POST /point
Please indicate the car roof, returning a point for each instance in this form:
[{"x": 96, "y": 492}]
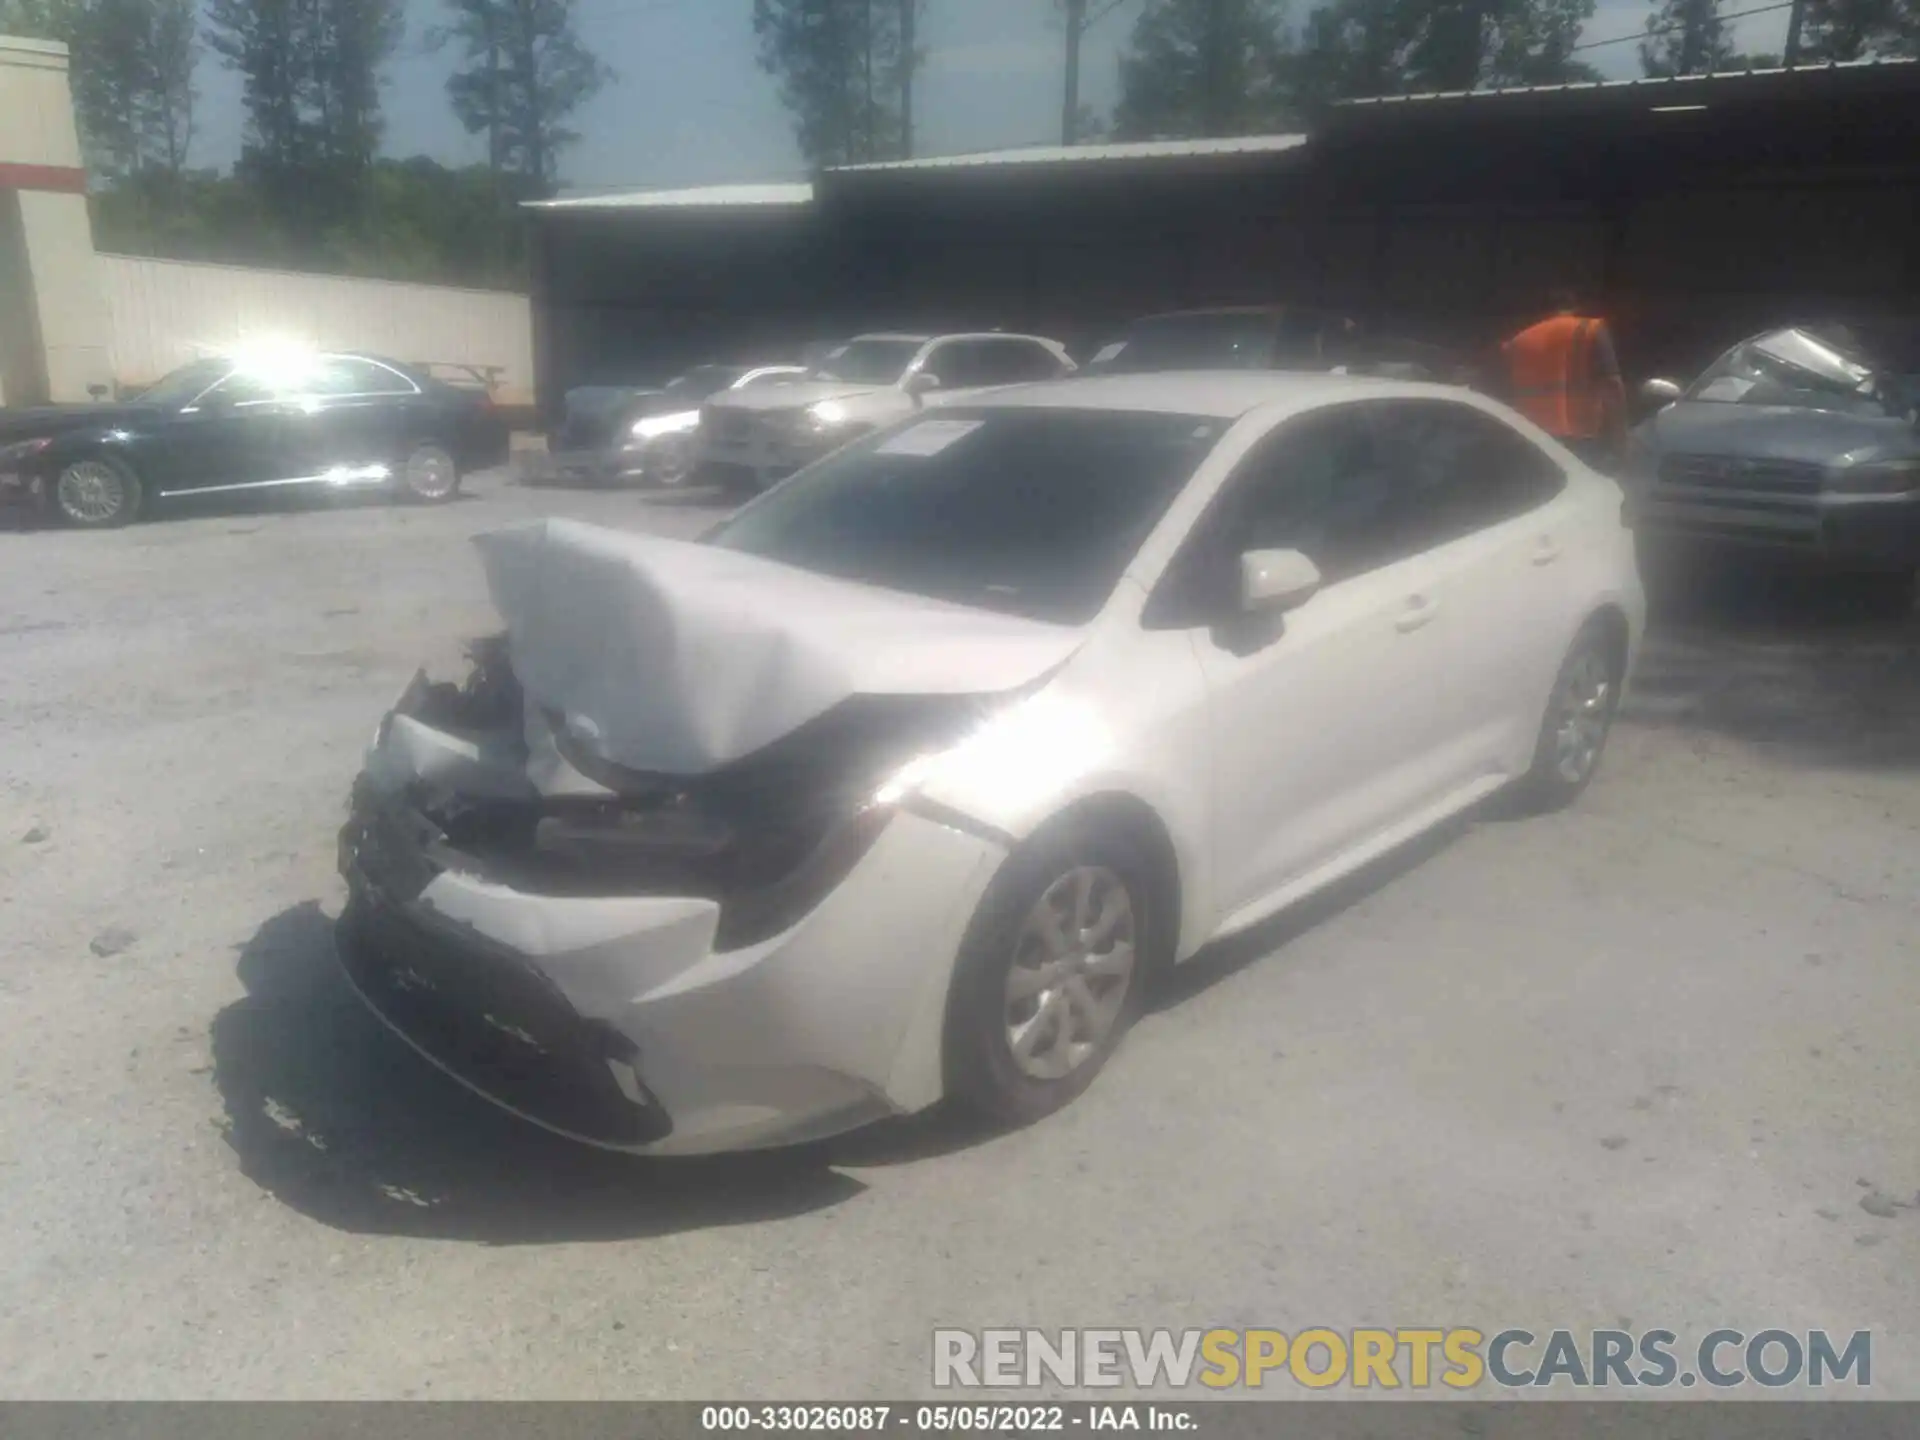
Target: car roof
[{"x": 1221, "y": 394}]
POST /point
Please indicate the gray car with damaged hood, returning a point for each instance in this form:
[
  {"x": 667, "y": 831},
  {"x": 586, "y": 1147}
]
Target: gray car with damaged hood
[{"x": 1798, "y": 444}]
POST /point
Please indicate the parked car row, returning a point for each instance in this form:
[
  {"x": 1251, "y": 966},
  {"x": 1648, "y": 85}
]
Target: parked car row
[{"x": 756, "y": 426}]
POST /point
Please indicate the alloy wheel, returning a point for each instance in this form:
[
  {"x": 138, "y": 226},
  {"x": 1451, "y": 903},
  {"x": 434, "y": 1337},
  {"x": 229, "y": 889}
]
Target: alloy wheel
[
  {"x": 431, "y": 473},
  {"x": 91, "y": 492},
  {"x": 1582, "y": 711},
  {"x": 1073, "y": 966}
]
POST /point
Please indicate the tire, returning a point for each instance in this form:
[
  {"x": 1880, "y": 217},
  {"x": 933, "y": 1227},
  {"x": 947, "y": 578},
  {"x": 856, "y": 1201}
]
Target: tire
[
  {"x": 96, "y": 492},
  {"x": 672, "y": 462},
  {"x": 1005, "y": 1062},
  {"x": 429, "y": 475},
  {"x": 1579, "y": 717}
]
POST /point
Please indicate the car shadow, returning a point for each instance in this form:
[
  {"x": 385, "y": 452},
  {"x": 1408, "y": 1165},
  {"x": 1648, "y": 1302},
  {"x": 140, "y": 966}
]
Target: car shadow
[
  {"x": 293, "y": 500},
  {"x": 339, "y": 1120},
  {"x": 1814, "y": 668}
]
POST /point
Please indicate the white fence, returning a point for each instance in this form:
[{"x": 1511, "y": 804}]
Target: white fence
[{"x": 168, "y": 311}]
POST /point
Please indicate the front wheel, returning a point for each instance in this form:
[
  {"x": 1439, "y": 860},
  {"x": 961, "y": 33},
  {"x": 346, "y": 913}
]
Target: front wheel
[
  {"x": 1573, "y": 733},
  {"x": 672, "y": 461},
  {"x": 429, "y": 475},
  {"x": 1050, "y": 978},
  {"x": 97, "y": 493}
]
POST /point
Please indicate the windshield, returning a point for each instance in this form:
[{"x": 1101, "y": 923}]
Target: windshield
[
  {"x": 868, "y": 362},
  {"x": 1804, "y": 369},
  {"x": 187, "y": 384},
  {"x": 1191, "y": 342},
  {"x": 1033, "y": 512}
]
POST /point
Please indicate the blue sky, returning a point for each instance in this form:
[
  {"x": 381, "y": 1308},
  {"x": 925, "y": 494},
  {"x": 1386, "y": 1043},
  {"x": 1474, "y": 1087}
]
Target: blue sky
[{"x": 691, "y": 107}]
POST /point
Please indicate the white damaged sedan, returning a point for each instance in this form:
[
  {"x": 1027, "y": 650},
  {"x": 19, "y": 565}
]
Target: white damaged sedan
[{"x": 905, "y": 781}]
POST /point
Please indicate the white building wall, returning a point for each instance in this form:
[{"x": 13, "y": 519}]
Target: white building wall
[
  {"x": 53, "y": 326},
  {"x": 165, "y": 312}
]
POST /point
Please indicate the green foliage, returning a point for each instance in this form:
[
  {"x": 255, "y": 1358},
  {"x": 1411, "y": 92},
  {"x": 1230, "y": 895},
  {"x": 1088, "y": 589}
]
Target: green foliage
[
  {"x": 1390, "y": 47},
  {"x": 1687, "y": 37},
  {"x": 522, "y": 73},
  {"x": 1205, "y": 67},
  {"x": 844, "y": 71},
  {"x": 312, "y": 93},
  {"x": 36, "y": 19},
  {"x": 1210, "y": 67},
  {"x": 420, "y": 220},
  {"x": 132, "y": 71},
  {"x": 1860, "y": 30}
]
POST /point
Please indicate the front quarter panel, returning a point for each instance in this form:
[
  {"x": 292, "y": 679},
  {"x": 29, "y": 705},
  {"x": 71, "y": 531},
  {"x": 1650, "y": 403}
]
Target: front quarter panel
[{"x": 1127, "y": 716}]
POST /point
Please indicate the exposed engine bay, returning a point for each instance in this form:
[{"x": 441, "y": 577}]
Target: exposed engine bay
[{"x": 764, "y": 836}]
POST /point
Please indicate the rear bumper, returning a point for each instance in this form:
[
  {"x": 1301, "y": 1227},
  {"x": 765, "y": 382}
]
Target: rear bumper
[
  {"x": 615, "y": 1021},
  {"x": 1826, "y": 531}
]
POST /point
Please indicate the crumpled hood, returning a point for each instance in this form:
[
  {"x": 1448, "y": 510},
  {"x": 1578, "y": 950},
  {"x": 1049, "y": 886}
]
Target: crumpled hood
[
  {"x": 1776, "y": 432},
  {"x": 671, "y": 657},
  {"x": 797, "y": 396}
]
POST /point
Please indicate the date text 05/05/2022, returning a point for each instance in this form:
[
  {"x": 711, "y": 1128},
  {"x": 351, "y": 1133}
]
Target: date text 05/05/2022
[{"x": 946, "y": 1419}]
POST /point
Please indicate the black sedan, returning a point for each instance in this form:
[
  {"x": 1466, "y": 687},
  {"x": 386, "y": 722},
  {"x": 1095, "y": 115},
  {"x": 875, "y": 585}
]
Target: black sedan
[{"x": 304, "y": 421}]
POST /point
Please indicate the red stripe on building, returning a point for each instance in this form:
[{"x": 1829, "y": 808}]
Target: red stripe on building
[{"x": 62, "y": 179}]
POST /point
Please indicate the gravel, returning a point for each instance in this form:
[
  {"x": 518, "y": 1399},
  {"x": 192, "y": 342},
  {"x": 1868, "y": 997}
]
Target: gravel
[{"x": 220, "y": 1178}]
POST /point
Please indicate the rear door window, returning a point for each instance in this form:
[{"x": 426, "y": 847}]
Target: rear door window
[{"x": 1458, "y": 469}]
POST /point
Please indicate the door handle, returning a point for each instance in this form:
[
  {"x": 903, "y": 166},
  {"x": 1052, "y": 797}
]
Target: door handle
[
  {"x": 1546, "y": 550},
  {"x": 1417, "y": 612}
]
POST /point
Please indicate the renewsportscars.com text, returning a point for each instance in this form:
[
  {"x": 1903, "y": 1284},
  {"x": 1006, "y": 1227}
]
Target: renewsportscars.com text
[{"x": 1460, "y": 1358}]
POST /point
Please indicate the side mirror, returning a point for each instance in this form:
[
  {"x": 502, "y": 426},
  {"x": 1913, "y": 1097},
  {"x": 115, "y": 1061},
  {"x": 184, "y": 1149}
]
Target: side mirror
[
  {"x": 1658, "y": 394},
  {"x": 1273, "y": 581},
  {"x": 923, "y": 382}
]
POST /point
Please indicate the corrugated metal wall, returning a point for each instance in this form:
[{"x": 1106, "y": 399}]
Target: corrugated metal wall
[{"x": 168, "y": 311}]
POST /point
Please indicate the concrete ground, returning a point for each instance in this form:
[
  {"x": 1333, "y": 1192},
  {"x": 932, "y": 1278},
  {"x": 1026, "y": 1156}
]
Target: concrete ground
[{"x": 1651, "y": 1062}]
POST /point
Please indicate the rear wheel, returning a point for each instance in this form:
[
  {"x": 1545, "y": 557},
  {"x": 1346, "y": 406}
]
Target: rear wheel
[
  {"x": 97, "y": 493},
  {"x": 1573, "y": 733},
  {"x": 1050, "y": 978},
  {"x": 429, "y": 474}
]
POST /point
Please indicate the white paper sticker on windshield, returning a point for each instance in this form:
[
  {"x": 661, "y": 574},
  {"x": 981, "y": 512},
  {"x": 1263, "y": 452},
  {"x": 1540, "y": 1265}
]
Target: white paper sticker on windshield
[
  {"x": 1726, "y": 387},
  {"x": 1107, "y": 352},
  {"x": 927, "y": 438}
]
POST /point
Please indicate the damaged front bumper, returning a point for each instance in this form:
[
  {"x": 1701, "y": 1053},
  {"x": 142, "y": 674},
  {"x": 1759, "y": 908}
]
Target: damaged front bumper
[{"x": 631, "y": 1017}]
